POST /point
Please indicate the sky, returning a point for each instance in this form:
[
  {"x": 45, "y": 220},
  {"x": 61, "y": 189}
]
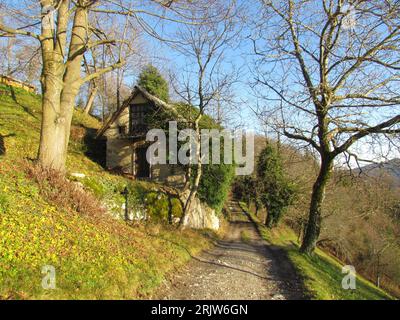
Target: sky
[
  {"x": 167, "y": 60},
  {"x": 241, "y": 56}
]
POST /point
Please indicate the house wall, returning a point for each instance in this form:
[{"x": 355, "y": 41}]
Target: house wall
[
  {"x": 172, "y": 175},
  {"x": 120, "y": 152},
  {"x": 119, "y": 155}
]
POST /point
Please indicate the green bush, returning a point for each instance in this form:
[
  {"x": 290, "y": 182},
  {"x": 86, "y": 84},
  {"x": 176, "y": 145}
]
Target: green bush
[
  {"x": 158, "y": 206},
  {"x": 95, "y": 186},
  {"x": 277, "y": 192},
  {"x": 215, "y": 185},
  {"x": 155, "y": 203}
]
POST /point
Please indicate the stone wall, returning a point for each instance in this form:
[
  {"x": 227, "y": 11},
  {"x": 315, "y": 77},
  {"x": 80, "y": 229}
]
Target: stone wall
[
  {"x": 119, "y": 155},
  {"x": 200, "y": 215},
  {"x": 172, "y": 175}
]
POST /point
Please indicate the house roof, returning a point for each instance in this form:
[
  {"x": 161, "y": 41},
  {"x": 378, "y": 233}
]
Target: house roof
[{"x": 138, "y": 90}]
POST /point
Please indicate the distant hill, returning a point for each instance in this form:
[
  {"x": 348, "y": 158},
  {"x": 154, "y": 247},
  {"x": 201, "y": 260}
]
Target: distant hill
[{"x": 388, "y": 170}]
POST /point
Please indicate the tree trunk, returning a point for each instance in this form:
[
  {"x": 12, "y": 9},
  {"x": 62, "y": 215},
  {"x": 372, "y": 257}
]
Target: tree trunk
[
  {"x": 196, "y": 182},
  {"x": 51, "y": 152},
  {"x": 60, "y": 83},
  {"x": 89, "y": 103},
  {"x": 313, "y": 228}
]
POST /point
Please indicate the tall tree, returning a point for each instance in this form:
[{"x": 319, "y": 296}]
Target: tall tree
[
  {"x": 203, "y": 80},
  {"x": 66, "y": 34},
  {"x": 333, "y": 67},
  {"x": 151, "y": 80},
  {"x": 111, "y": 89}
]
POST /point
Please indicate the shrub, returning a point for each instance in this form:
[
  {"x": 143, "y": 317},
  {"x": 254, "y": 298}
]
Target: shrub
[
  {"x": 95, "y": 186},
  {"x": 62, "y": 192},
  {"x": 277, "y": 192},
  {"x": 215, "y": 184},
  {"x": 157, "y": 204},
  {"x": 151, "y": 80}
]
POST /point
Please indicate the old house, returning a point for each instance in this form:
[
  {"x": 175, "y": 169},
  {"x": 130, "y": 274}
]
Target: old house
[{"x": 126, "y": 145}]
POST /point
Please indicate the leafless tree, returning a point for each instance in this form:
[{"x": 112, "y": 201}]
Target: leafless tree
[
  {"x": 329, "y": 73},
  {"x": 65, "y": 33},
  {"x": 203, "y": 82},
  {"x": 130, "y": 49},
  {"x": 20, "y": 59}
]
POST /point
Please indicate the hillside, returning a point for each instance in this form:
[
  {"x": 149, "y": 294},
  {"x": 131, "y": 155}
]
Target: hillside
[
  {"x": 389, "y": 170},
  {"x": 45, "y": 220},
  {"x": 322, "y": 272},
  {"x": 48, "y": 221}
]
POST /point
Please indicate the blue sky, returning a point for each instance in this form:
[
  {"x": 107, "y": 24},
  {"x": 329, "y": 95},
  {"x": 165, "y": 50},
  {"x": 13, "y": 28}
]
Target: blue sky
[{"x": 167, "y": 59}]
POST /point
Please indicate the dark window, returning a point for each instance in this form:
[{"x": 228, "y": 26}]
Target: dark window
[
  {"x": 122, "y": 129},
  {"x": 137, "y": 116}
]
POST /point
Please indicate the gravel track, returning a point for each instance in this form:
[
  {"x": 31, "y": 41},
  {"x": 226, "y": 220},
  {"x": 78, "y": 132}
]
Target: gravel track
[{"x": 240, "y": 266}]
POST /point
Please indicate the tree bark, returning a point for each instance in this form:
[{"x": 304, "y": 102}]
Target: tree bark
[
  {"x": 51, "y": 146},
  {"x": 89, "y": 103},
  {"x": 313, "y": 228},
  {"x": 196, "y": 182},
  {"x": 60, "y": 83},
  {"x": 52, "y": 127}
]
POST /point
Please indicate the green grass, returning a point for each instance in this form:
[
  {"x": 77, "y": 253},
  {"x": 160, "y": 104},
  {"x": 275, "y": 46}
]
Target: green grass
[
  {"x": 95, "y": 257},
  {"x": 245, "y": 236},
  {"x": 321, "y": 272}
]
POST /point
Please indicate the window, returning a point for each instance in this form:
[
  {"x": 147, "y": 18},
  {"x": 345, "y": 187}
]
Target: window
[
  {"x": 122, "y": 130},
  {"x": 137, "y": 116}
]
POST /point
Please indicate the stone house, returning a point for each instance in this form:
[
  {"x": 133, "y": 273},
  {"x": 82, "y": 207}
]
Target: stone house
[{"x": 126, "y": 145}]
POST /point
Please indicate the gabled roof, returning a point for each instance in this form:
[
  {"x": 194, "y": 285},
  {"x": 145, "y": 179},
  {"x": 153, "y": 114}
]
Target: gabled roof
[{"x": 138, "y": 90}]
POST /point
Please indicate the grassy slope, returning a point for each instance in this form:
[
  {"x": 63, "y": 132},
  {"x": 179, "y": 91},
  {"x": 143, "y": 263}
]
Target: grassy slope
[
  {"x": 321, "y": 272},
  {"x": 94, "y": 257}
]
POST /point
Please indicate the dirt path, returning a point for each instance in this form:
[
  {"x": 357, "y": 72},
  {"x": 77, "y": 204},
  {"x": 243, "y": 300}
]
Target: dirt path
[{"x": 241, "y": 266}]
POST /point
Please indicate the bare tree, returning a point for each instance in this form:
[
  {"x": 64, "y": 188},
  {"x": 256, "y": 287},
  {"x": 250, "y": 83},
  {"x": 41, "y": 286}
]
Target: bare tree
[
  {"x": 21, "y": 59},
  {"x": 329, "y": 72},
  {"x": 65, "y": 33},
  {"x": 204, "y": 83},
  {"x": 130, "y": 49}
]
